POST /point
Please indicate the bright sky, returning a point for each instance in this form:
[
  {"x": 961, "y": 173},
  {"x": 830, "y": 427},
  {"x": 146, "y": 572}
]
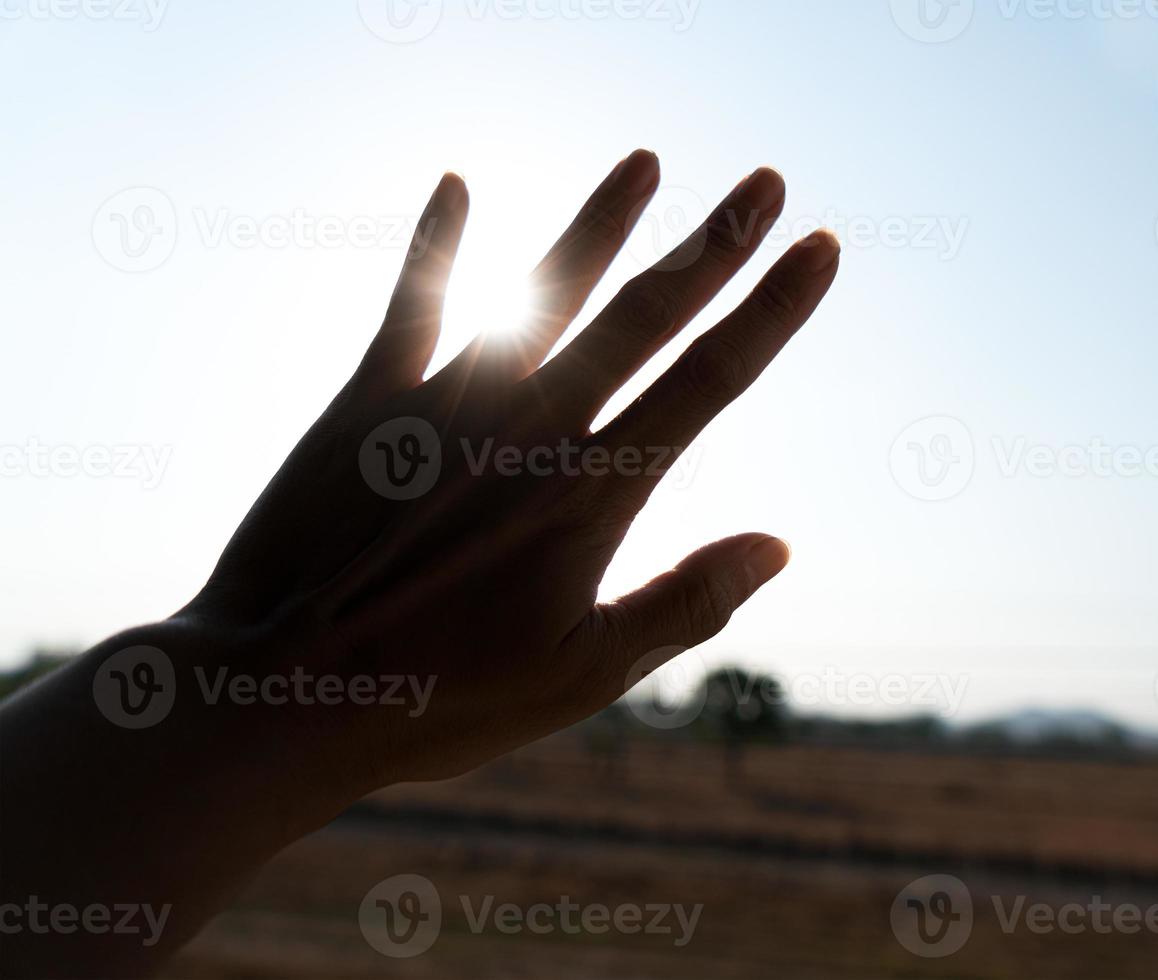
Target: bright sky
[{"x": 995, "y": 191}]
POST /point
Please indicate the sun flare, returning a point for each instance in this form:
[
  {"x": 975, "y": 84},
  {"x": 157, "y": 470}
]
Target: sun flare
[{"x": 486, "y": 299}]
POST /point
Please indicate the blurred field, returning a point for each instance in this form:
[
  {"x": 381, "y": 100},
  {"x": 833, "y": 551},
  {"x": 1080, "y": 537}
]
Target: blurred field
[{"x": 795, "y": 853}]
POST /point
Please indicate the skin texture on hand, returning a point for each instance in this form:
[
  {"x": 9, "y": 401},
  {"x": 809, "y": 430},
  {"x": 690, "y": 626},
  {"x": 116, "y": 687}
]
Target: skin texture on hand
[{"x": 479, "y": 587}]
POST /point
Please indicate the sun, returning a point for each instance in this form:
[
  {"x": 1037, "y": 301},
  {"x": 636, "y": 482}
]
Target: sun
[{"x": 484, "y": 297}]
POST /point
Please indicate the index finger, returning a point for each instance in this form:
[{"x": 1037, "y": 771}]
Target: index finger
[{"x": 726, "y": 360}]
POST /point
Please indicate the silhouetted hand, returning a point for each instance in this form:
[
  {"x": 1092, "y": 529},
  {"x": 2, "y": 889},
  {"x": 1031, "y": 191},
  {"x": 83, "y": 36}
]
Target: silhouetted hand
[
  {"x": 455, "y": 530},
  {"x": 433, "y": 550}
]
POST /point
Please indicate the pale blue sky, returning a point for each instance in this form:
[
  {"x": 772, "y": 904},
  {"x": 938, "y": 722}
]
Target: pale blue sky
[{"x": 998, "y": 201}]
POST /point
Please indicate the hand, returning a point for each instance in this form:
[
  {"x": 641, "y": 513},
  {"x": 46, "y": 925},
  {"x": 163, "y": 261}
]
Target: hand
[
  {"x": 482, "y": 586},
  {"x": 451, "y": 533}
]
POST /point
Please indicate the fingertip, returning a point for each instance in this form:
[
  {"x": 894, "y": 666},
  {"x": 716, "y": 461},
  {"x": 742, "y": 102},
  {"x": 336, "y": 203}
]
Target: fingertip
[
  {"x": 820, "y": 250},
  {"x": 766, "y": 559},
  {"x": 764, "y": 188},
  {"x": 638, "y": 172},
  {"x": 452, "y": 190}
]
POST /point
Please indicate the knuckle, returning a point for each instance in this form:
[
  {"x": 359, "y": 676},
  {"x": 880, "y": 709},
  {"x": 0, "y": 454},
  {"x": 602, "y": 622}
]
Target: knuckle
[
  {"x": 602, "y": 223},
  {"x": 620, "y": 500},
  {"x": 593, "y": 503},
  {"x": 775, "y": 302},
  {"x": 646, "y": 304},
  {"x": 709, "y": 607},
  {"x": 717, "y": 370},
  {"x": 728, "y": 230},
  {"x": 560, "y": 303},
  {"x": 595, "y": 683},
  {"x": 590, "y": 674}
]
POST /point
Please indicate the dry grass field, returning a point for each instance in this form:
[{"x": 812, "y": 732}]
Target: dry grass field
[{"x": 796, "y": 856}]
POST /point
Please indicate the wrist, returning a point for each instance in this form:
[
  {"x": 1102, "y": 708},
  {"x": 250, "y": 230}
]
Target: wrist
[
  {"x": 183, "y": 800},
  {"x": 186, "y": 695}
]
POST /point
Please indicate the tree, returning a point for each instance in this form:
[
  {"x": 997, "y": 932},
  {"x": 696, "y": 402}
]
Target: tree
[{"x": 741, "y": 708}]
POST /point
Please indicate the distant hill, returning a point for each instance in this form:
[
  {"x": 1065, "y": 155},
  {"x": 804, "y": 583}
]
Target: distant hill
[
  {"x": 1038, "y": 727},
  {"x": 738, "y": 720}
]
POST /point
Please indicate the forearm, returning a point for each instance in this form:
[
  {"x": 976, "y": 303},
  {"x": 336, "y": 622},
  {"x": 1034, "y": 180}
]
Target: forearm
[
  {"x": 472, "y": 590},
  {"x": 171, "y": 818}
]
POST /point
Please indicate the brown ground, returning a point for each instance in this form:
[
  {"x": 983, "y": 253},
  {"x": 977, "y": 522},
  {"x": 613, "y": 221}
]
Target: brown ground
[{"x": 796, "y": 858}]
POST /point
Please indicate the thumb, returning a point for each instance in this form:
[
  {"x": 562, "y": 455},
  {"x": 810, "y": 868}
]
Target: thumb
[{"x": 694, "y": 601}]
